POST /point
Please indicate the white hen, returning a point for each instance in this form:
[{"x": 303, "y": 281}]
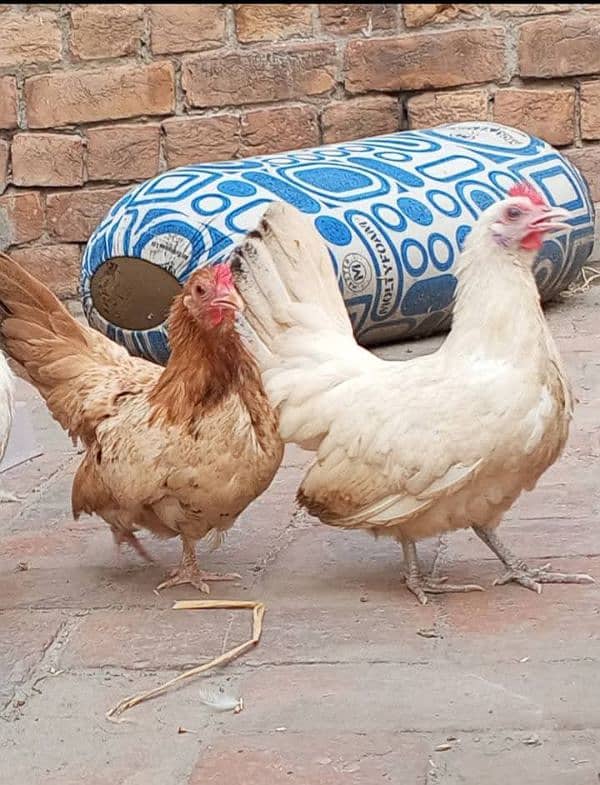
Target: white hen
[
  {"x": 7, "y": 409},
  {"x": 442, "y": 442}
]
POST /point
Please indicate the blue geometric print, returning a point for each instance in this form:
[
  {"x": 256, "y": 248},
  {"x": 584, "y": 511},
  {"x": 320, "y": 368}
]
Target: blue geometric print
[{"x": 393, "y": 210}]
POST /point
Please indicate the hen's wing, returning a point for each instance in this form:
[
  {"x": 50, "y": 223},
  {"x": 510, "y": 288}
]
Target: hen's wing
[
  {"x": 396, "y": 441},
  {"x": 79, "y": 372}
]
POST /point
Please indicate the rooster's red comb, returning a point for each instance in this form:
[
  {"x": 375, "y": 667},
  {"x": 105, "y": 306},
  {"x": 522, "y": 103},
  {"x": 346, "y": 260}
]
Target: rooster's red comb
[
  {"x": 525, "y": 189},
  {"x": 223, "y": 276}
]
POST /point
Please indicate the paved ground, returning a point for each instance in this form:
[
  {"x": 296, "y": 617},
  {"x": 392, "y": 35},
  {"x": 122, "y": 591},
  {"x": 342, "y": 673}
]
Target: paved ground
[{"x": 352, "y": 682}]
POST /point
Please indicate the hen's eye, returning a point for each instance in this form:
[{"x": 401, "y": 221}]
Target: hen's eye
[
  {"x": 199, "y": 290},
  {"x": 513, "y": 212}
]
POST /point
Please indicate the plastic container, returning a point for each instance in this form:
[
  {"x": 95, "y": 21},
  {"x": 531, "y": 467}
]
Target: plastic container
[{"x": 393, "y": 210}]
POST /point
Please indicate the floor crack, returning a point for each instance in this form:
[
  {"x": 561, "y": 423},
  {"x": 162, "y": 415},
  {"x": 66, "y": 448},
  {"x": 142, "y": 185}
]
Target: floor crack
[{"x": 47, "y": 667}]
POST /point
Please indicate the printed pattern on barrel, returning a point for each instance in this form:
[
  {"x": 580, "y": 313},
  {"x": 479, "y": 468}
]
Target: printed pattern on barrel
[{"x": 393, "y": 210}]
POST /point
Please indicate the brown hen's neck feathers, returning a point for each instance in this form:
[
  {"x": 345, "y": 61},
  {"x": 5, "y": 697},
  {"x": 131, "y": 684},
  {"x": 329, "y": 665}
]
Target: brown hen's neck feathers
[{"x": 206, "y": 365}]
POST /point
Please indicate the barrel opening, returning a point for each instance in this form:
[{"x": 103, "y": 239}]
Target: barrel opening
[{"x": 132, "y": 293}]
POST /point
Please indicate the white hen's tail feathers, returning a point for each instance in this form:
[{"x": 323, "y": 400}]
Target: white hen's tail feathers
[
  {"x": 286, "y": 278},
  {"x": 302, "y": 335}
]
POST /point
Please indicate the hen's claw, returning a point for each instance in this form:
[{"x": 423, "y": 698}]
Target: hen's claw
[
  {"x": 533, "y": 577},
  {"x": 189, "y": 572},
  {"x": 517, "y": 570},
  {"x": 420, "y": 586},
  {"x": 196, "y": 577}
]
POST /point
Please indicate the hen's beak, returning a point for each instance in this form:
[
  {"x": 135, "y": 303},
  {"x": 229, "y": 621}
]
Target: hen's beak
[
  {"x": 550, "y": 219},
  {"x": 230, "y": 300}
]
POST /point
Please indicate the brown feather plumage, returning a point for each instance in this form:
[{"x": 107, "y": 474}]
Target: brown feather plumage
[{"x": 180, "y": 450}]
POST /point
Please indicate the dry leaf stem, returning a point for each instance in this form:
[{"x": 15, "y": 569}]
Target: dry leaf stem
[{"x": 258, "y": 611}]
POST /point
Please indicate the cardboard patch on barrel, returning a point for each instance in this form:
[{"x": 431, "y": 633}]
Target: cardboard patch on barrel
[{"x": 133, "y": 294}]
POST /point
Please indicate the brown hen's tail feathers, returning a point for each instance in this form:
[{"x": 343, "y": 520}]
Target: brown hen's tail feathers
[{"x": 72, "y": 366}]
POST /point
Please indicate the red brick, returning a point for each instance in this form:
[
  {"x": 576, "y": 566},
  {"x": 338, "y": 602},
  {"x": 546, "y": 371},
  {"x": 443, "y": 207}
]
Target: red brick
[
  {"x": 425, "y": 60},
  {"x": 186, "y": 27},
  {"x": 268, "y": 131},
  {"x": 360, "y": 117},
  {"x": 64, "y": 558},
  {"x": 3, "y": 164},
  {"x": 57, "y": 266},
  {"x": 554, "y": 757},
  {"x": 8, "y": 102},
  {"x": 163, "y": 639},
  {"x": 276, "y": 22},
  {"x": 47, "y": 159},
  {"x": 544, "y": 617},
  {"x": 587, "y": 160},
  {"x": 24, "y": 214},
  {"x": 192, "y": 140},
  {"x": 419, "y": 14},
  {"x": 40, "y": 547},
  {"x": 324, "y": 633},
  {"x": 123, "y": 152},
  {"x": 29, "y": 38},
  {"x": 67, "y": 97},
  {"x": 358, "y": 17},
  {"x": 313, "y": 758},
  {"x": 590, "y": 109},
  {"x": 431, "y": 109},
  {"x": 73, "y": 215},
  {"x": 105, "y": 30},
  {"x": 343, "y": 568},
  {"x": 560, "y": 46},
  {"x": 155, "y": 638},
  {"x": 525, "y": 9},
  {"x": 558, "y": 624},
  {"x": 436, "y": 698},
  {"x": 547, "y": 113},
  {"x": 554, "y": 497},
  {"x": 24, "y": 637},
  {"x": 290, "y": 73}
]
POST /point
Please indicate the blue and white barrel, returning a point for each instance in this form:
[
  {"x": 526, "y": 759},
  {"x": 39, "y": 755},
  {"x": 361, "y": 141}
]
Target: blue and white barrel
[{"x": 393, "y": 210}]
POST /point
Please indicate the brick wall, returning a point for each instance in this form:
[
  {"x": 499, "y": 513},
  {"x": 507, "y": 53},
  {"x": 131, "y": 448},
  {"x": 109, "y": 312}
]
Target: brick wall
[{"x": 95, "y": 98}]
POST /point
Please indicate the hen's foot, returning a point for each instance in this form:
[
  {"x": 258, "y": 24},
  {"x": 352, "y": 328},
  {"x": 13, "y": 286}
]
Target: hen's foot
[
  {"x": 196, "y": 577},
  {"x": 6, "y": 496},
  {"x": 422, "y": 585},
  {"x": 128, "y": 538},
  {"x": 518, "y": 571},
  {"x": 533, "y": 577}
]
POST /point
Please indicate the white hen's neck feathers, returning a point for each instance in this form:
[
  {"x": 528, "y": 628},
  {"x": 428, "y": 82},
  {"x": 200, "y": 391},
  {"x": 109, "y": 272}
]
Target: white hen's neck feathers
[{"x": 497, "y": 307}]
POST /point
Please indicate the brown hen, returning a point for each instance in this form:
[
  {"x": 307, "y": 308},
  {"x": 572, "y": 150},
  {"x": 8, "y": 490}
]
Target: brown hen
[{"x": 179, "y": 451}]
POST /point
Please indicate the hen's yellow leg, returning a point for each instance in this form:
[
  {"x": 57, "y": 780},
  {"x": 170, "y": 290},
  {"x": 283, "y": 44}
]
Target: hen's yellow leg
[{"x": 189, "y": 572}]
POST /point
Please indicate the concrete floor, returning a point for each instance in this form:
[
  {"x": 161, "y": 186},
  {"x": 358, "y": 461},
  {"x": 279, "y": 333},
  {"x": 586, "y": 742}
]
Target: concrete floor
[{"x": 352, "y": 682}]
